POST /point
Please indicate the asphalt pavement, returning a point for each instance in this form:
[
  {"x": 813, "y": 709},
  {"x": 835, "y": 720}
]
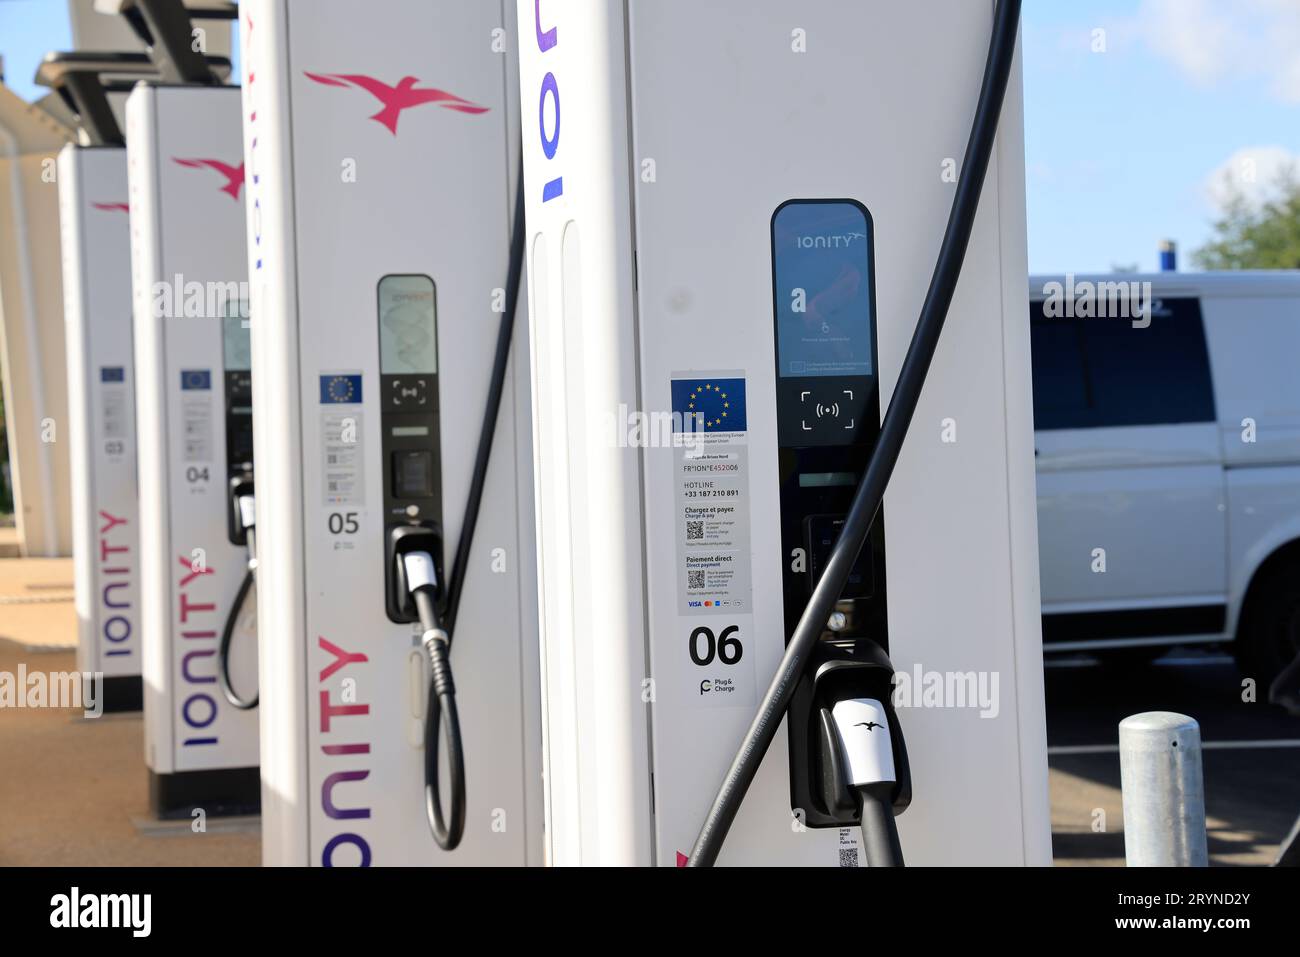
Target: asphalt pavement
[{"x": 1251, "y": 755}]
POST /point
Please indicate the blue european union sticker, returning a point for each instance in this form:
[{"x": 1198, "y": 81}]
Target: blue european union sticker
[
  {"x": 709, "y": 405},
  {"x": 340, "y": 389},
  {"x": 196, "y": 380},
  {"x": 112, "y": 374}
]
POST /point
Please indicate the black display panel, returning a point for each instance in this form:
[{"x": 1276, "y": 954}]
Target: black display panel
[
  {"x": 236, "y": 356},
  {"x": 824, "y": 305},
  {"x": 828, "y": 421},
  {"x": 822, "y": 271},
  {"x": 407, "y": 316}
]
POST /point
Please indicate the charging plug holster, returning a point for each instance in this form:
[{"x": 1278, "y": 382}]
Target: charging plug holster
[{"x": 841, "y": 673}]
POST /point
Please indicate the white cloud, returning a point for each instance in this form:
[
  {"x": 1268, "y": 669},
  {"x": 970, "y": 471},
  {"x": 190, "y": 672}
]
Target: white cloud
[
  {"x": 1211, "y": 41},
  {"x": 1251, "y": 172}
]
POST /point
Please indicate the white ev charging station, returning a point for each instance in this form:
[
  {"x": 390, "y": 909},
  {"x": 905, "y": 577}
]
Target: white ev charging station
[
  {"x": 93, "y": 226},
  {"x": 194, "y": 423},
  {"x": 382, "y": 165},
  {"x": 730, "y": 237}
]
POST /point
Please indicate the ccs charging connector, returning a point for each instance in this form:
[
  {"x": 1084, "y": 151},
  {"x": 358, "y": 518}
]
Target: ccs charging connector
[
  {"x": 867, "y": 761},
  {"x": 858, "y": 772},
  {"x": 242, "y": 521}
]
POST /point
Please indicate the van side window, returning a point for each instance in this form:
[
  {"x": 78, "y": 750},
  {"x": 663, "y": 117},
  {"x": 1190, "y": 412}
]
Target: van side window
[{"x": 1103, "y": 373}]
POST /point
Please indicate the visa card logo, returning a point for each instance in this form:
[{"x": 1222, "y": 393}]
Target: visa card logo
[
  {"x": 709, "y": 405},
  {"x": 340, "y": 389}
]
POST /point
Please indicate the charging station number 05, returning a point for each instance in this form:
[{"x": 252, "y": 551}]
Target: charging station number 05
[
  {"x": 343, "y": 523},
  {"x": 725, "y": 647}
]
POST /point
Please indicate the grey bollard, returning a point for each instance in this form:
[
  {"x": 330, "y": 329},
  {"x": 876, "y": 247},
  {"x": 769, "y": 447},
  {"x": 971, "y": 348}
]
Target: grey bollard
[{"x": 1164, "y": 791}]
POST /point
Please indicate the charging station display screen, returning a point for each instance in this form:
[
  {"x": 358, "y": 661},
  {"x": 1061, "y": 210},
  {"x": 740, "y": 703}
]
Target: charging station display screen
[
  {"x": 822, "y": 268},
  {"x": 408, "y": 326},
  {"x": 236, "y": 349}
]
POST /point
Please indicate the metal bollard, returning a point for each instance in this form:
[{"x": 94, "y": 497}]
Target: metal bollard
[{"x": 1164, "y": 791}]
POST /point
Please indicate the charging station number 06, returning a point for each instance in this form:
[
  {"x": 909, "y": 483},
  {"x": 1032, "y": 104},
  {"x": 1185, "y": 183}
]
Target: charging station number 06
[{"x": 726, "y": 647}]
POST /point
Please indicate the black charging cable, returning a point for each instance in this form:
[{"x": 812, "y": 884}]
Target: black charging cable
[
  {"x": 870, "y": 492},
  {"x": 438, "y": 616},
  {"x": 440, "y": 711},
  {"x": 245, "y": 506},
  {"x": 496, "y": 388}
]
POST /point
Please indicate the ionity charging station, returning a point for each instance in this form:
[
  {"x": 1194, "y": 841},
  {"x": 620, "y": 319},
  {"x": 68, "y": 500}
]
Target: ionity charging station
[
  {"x": 93, "y": 225},
  {"x": 732, "y": 233},
  {"x": 384, "y": 243},
  {"x": 194, "y": 423}
]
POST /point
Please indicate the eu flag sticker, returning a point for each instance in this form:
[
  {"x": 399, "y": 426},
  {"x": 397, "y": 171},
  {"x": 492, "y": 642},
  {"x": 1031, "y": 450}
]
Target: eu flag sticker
[
  {"x": 707, "y": 404},
  {"x": 340, "y": 389},
  {"x": 196, "y": 380},
  {"x": 112, "y": 373}
]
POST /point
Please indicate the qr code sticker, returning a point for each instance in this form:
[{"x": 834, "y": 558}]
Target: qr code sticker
[
  {"x": 695, "y": 578},
  {"x": 695, "y": 531},
  {"x": 848, "y": 857}
]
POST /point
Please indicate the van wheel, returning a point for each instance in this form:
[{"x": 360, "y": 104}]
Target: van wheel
[{"x": 1268, "y": 638}]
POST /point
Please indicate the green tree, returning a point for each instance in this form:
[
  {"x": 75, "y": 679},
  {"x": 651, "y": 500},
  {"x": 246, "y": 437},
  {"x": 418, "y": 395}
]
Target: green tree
[{"x": 1263, "y": 236}]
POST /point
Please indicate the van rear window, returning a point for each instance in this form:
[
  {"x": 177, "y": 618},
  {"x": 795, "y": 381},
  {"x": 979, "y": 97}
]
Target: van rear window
[{"x": 1096, "y": 373}]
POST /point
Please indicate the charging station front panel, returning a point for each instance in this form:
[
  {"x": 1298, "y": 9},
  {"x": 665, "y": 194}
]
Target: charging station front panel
[
  {"x": 193, "y": 411},
  {"x": 866, "y": 117},
  {"x": 101, "y": 416},
  {"x": 382, "y": 170},
  {"x": 783, "y": 215}
]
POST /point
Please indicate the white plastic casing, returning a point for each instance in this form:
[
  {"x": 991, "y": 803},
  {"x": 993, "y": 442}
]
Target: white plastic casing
[
  {"x": 684, "y": 126},
  {"x": 187, "y": 244},
  {"x": 101, "y": 408},
  {"x": 339, "y": 200}
]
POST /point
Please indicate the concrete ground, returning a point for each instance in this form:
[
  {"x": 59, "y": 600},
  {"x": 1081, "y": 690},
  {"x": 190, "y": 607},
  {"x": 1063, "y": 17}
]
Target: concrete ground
[
  {"x": 74, "y": 791},
  {"x": 1251, "y": 756},
  {"x": 8, "y": 538},
  {"x": 36, "y": 608}
]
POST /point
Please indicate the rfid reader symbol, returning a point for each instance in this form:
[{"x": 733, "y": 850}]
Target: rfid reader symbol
[{"x": 832, "y": 410}]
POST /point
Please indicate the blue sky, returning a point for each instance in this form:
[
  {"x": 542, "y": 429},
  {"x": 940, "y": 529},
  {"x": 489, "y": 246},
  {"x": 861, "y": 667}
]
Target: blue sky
[
  {"x": 28, "y": 30},
  {"x": 1122, "y": 145}
]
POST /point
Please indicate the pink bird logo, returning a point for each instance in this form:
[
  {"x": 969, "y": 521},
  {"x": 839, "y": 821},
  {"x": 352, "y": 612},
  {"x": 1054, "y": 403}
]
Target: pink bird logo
[
  {"x": 109, "y": 207},
  {"x": 396, "y": 98},
  {"x": 234, "y": 174}
]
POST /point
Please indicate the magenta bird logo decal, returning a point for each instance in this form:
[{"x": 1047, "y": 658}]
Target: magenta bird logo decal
[
  {"x": 234, "y": 174},
  {"x": 397, "y": 98}
]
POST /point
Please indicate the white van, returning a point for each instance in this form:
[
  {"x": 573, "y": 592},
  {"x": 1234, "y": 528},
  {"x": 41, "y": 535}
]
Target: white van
[{"x": 1167, "y": 436}]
